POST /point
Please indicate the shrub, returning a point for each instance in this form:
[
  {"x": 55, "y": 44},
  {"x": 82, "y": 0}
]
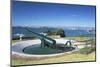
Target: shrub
[
  {"x": 86, "y": 50},
  {"x": 61, "y": 32}
]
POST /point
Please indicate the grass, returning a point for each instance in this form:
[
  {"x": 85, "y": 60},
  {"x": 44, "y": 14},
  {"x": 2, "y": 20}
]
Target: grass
[
  {"x": 14, "y": 41},
  {"x": 73, "y": 38},
  {"x": 87, "y": 50},
  {"x": 63, "y": 58},
  {"x": 77, "y": 38}
]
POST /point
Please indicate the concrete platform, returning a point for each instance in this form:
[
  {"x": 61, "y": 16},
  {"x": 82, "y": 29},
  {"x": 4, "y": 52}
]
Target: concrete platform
[{"x": 17, "y": 48}]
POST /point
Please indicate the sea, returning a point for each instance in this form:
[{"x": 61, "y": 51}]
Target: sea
[{"x": 69, "y": 32}]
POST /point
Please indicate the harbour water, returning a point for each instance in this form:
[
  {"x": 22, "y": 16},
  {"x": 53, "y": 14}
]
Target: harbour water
[{"x": 68, "y": 32}]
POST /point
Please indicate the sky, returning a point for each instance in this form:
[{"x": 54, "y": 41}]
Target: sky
[{"x": 51, "y": 14}]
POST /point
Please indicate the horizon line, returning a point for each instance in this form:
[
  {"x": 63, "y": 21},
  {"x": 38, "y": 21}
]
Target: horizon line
[{"x": 49, "y": 26}]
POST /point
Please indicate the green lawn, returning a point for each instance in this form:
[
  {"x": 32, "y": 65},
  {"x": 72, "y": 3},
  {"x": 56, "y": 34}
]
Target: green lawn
[
  {"x": 77, "y": 38},
  {"x": 14, "y": 41},
  {"x": 63, "y": 58},
  {"x": 70, "y": 38}
]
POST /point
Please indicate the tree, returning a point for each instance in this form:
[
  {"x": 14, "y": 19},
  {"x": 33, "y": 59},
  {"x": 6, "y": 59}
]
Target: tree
[
  {"x": 49, "y": 32},
  {"x": 61, "y": 33}
]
